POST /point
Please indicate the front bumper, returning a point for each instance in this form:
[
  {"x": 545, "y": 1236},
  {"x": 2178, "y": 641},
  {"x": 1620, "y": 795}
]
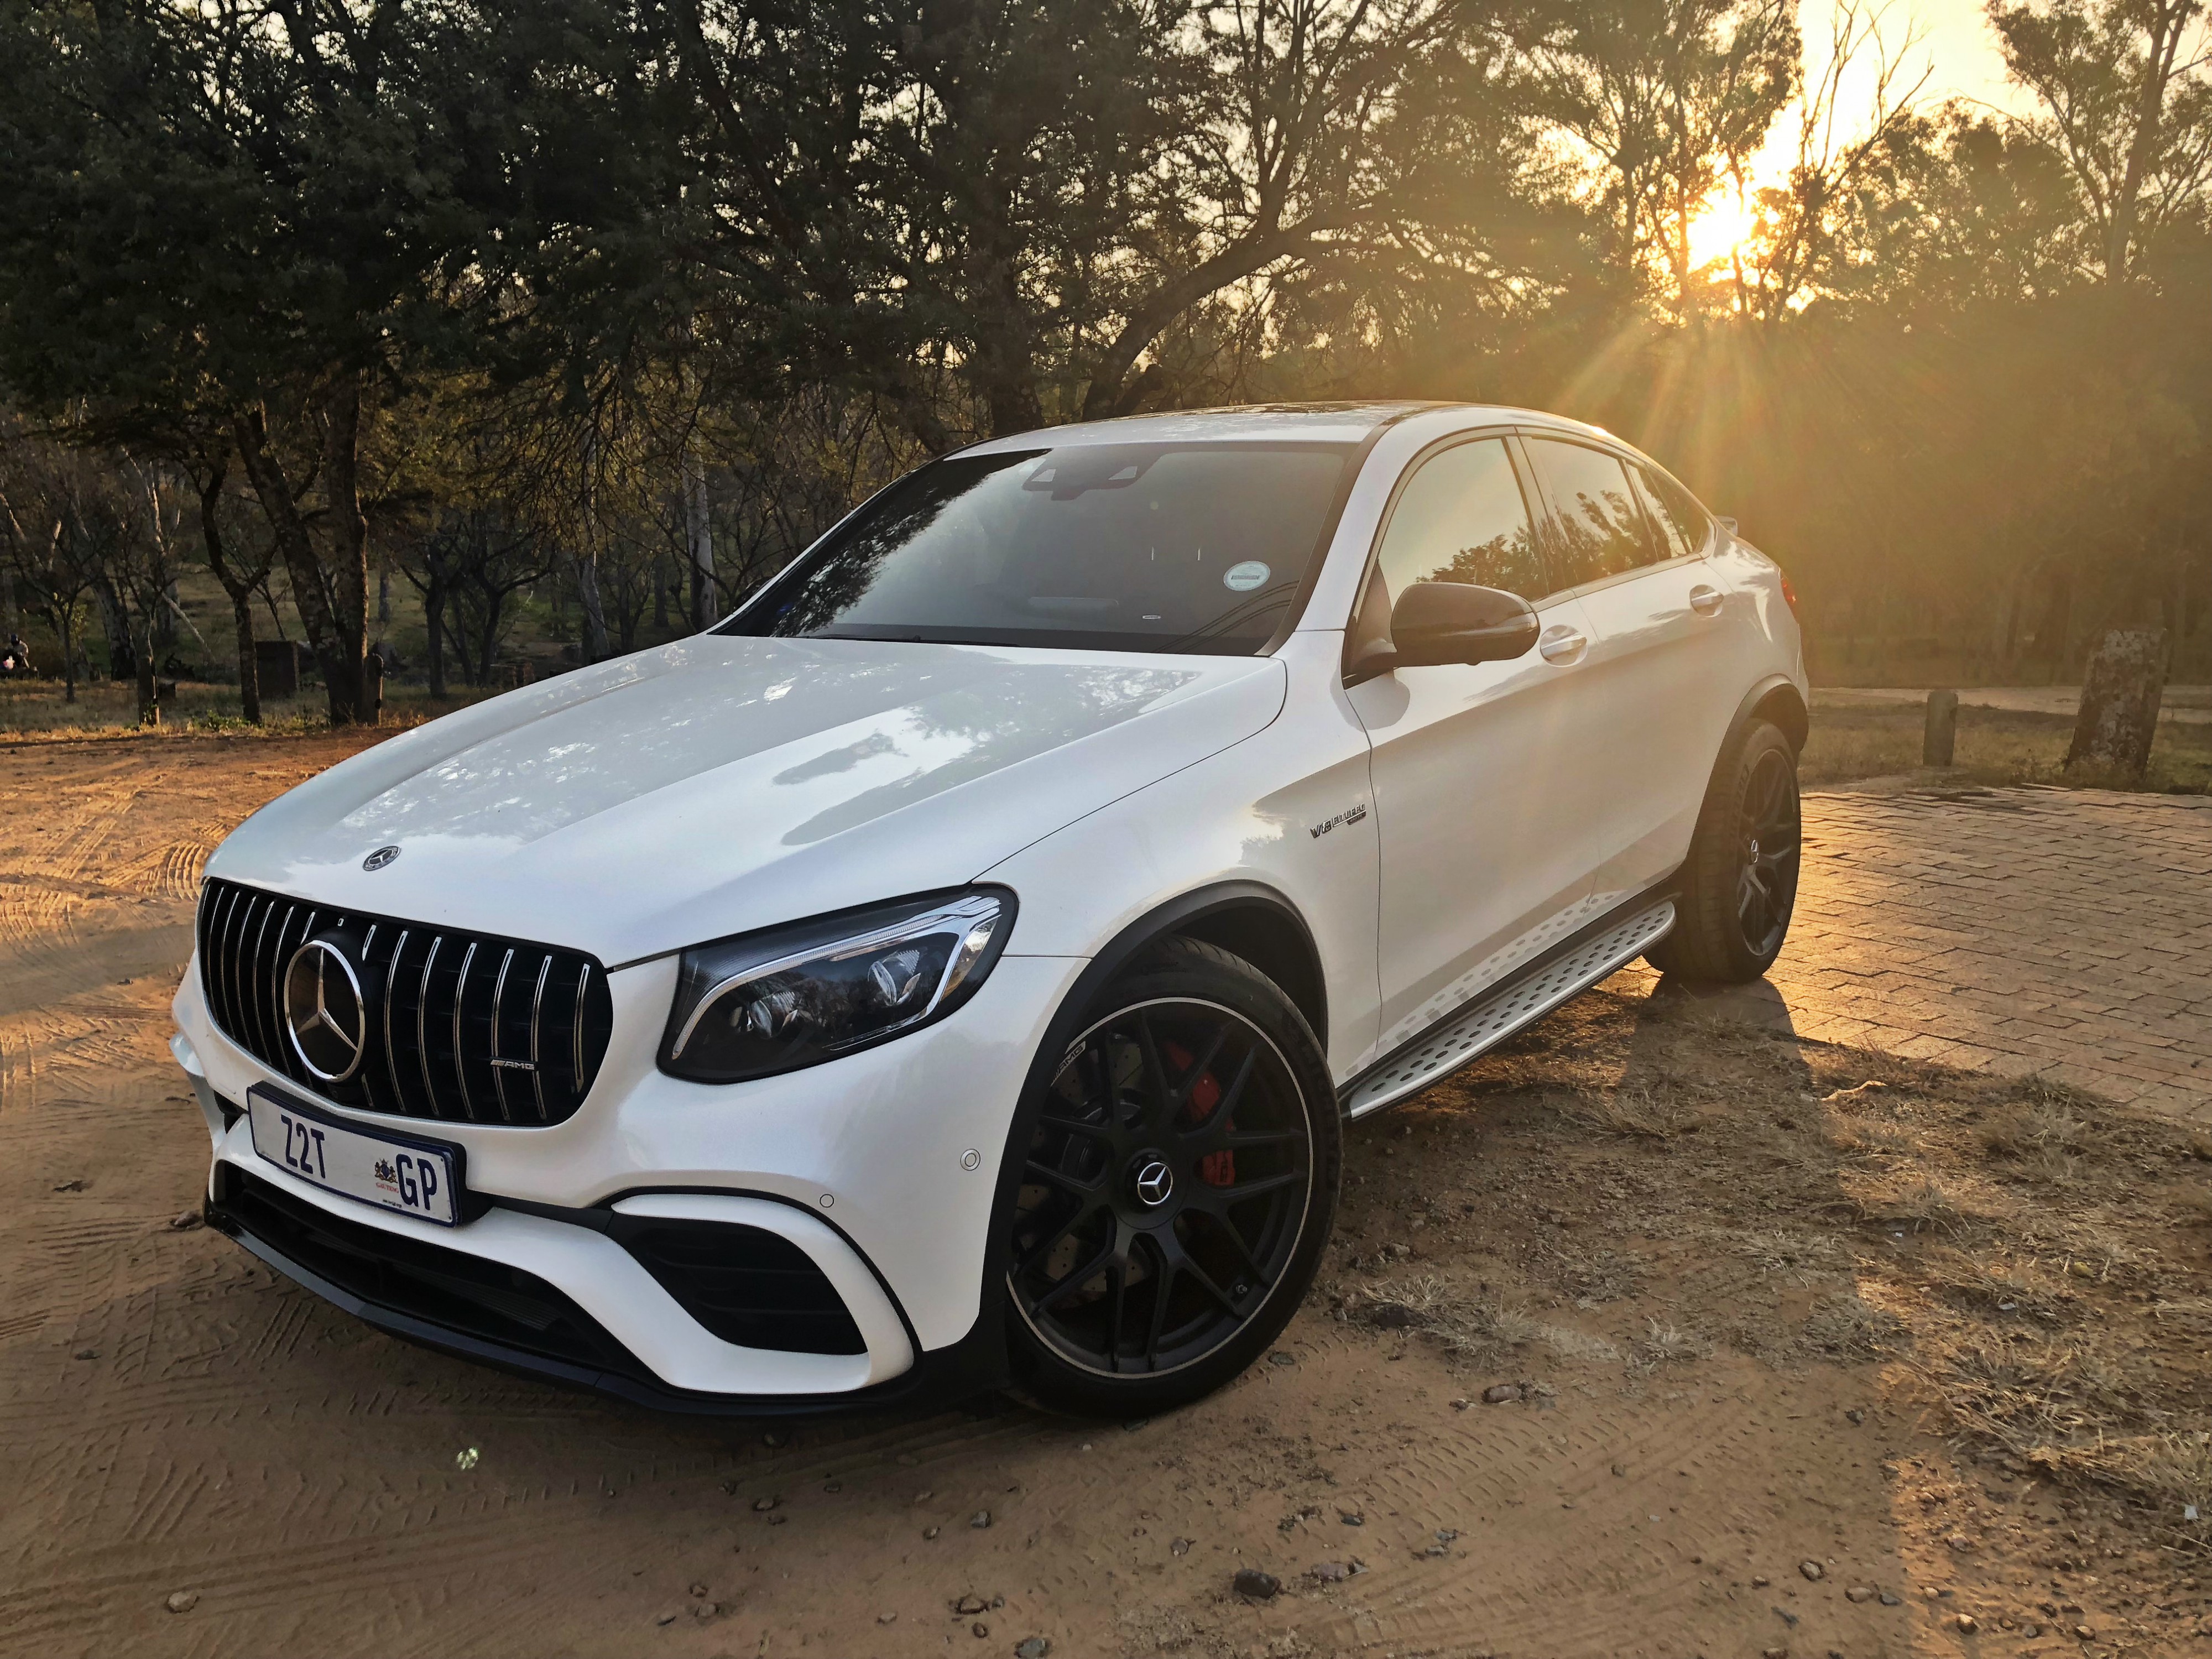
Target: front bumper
[{"x": 860, "y": 1165}]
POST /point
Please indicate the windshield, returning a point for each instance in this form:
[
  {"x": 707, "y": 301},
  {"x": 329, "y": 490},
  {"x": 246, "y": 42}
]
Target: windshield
[{"x": 1119, "y": 547}]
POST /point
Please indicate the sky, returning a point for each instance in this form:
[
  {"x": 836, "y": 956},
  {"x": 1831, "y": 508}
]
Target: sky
[{"x": 1957, "y": 47}]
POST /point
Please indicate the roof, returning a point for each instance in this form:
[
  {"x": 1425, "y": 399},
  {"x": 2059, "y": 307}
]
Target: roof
[{"x": 1317, "y": 423}]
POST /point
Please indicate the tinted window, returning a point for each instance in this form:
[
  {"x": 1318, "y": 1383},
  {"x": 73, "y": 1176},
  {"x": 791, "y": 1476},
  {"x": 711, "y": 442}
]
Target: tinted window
[
  {"x": 1130, "y": 547},
  {"x": 1602, "y": 531},
  {"x": 1460, "y": 519},
  {"x": 1681, "y": 520}
]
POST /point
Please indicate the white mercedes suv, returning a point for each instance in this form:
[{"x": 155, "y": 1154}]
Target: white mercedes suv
[{"x": 958, "y": 969}]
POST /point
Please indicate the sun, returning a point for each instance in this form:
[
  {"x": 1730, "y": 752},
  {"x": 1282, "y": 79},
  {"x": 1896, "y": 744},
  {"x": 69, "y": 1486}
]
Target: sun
[{"x": 1719, "y": 228}]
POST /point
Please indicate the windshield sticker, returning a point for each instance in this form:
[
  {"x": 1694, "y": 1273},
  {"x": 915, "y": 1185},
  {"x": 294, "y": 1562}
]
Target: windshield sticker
[{"x": 1244, "y": 578}]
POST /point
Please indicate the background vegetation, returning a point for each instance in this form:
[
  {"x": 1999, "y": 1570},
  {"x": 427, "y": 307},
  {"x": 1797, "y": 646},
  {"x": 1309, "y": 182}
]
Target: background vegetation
[{"x": 460, "y": 326}]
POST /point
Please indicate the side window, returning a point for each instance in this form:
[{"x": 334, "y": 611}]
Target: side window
[
  {"x": 1460, "y": 519},
  {"x": 1681, "y": 522},
  {"x": 1602, "y": 529}
]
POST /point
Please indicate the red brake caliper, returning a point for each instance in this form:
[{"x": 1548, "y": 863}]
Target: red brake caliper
[{"x": 1215, "y": 1169}]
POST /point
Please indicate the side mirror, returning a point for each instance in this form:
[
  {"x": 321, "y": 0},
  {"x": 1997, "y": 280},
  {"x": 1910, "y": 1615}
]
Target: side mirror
[{"x": 1435, "y": 623}]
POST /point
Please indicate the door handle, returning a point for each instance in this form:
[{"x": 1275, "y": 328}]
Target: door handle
[
  {"x": 1560, "y": 644},
  {"x": 1705, "y": 601}
]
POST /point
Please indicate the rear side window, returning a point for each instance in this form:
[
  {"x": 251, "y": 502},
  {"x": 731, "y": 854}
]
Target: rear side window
[
  {"x": 1601, "y": 532},
  {"x": 1673, "y": 510},
  {"x": 1460, "y": 517}
]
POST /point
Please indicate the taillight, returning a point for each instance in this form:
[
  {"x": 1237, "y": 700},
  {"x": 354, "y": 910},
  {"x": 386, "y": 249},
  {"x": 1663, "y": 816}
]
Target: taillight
[{"x": 1789, "y": 592}]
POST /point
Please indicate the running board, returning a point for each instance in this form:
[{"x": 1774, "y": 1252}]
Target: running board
[{"x": 1491, "y": 1021}]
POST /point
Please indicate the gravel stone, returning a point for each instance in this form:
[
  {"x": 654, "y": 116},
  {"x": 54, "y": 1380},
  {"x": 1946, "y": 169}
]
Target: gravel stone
[
  {"x": 182, "y": 1601},
  {"x": 1254, "y": 1585}
]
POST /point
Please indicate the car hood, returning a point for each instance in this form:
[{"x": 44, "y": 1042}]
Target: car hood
[{"x": 718, "y": 785}]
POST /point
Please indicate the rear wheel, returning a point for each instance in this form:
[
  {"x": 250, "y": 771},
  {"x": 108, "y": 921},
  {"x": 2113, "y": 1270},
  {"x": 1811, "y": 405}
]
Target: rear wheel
[
  {"x": 1739, "y": 882},
  {"x": 1180, "y": 1178}
]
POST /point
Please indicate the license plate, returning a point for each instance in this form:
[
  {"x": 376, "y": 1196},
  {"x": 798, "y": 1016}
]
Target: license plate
[{"x": 419, "y": 1178}]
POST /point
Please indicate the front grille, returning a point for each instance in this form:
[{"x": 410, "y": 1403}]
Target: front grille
[
  {"x": 439, "y": 1287},
  {"x": 747, "y": 1285},
  {"x": 463, "y": 1028}
]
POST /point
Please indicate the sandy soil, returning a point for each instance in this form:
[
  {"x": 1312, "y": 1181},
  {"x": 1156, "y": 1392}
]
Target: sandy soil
[{"x": 1813, "y": 1352}]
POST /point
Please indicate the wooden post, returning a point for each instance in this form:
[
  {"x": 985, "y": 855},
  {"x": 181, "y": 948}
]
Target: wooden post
[
  {"x": 2120, "y": 695},
  {"x": 1940, "y": 735}
]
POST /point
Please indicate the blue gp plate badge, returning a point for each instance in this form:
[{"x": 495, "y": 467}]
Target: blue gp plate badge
[{"x": 400, "y": 1173}]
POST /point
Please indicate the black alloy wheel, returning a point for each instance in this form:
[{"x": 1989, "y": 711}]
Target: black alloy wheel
[
  {"x": 1738, "y": 884},
  {"x": 1176, "y": 1189},
  {"x": 1766, "y": 882}
]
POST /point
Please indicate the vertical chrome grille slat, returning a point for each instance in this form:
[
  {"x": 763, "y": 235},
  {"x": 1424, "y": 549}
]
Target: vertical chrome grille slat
[
  {"x": 576, "y": 1033},
  {"x": 226, "y": 964},
  {"x": 264, "y": 1014},
  {"x": 423, "y": 1026},
  {"x": 536, "y": 1011},
  {"x": 460, "y": 1056},
  {"x": 284, "y": 1056},
  {"x": 368, "y": 1060},
  {"x": 246, "y": 938},
  {"x": 498, "y": 1002},
  {"x": 391, "y": 1052}
]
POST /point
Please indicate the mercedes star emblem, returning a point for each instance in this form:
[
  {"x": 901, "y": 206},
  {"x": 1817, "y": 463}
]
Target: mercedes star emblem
[
  {"x": 1154, "y": 1183},
  {"x": 324, "y": 1013},
  {"x": 379, "y": 858}
]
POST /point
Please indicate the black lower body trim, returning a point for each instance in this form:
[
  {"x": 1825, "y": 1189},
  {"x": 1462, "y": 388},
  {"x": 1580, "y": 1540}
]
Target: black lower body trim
[{"x": 569, "y": 1347}]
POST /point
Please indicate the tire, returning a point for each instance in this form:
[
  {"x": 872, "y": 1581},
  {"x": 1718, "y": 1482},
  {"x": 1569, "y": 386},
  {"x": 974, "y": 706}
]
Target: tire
[
  {"x": 1739, "y": 882},
  {"x": 1178, "y": 1186}
]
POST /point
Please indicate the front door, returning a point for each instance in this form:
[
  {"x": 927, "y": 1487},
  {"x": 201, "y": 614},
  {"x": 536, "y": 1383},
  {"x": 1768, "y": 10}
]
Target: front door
[{"x": 1481, "y": 867}]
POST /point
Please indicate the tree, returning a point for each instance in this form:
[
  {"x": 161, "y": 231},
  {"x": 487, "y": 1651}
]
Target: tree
[
  {"x": 260, "y": 218},
  {"x": 2125, "y": 88},
  {"x": 1670, "y": 98}
]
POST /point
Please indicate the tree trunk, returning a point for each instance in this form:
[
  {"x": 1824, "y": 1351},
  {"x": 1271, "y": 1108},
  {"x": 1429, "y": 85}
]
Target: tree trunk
[
  {"x": 249, "y": 669},
  {"x": 699, "y": 538},
  {"x": 346, "y": 672},
  {"x": 150, "y": 706},
  {"x": 2120, "y": 695},
  {"x": 297, "y": 549},
  {"x": 586, "y": 568},
  {"x": 68, "y": 655},
  {"x": 240, "y": 590},
  {"x": 434, "y": 605}
]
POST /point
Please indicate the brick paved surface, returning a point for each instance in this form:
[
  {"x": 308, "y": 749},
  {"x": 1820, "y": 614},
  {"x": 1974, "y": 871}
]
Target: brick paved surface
[{"x": 2067, "y": 932}]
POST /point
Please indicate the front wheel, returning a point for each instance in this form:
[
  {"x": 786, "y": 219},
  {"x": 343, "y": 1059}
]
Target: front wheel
[
  {"x": 1178, "y": 1185},
  {"x": 1739, "y": 882}
]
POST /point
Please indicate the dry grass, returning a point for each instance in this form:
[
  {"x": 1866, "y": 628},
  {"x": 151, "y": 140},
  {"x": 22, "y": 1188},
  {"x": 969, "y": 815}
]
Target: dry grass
[
  {"x": 2026, "y": 1263},
  {"x": 1994, "y": 746},
  {"x": 37, "y": 710}
]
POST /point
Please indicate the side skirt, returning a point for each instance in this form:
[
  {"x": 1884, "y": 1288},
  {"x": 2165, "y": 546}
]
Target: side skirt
[{"x": 1609, "y": 943}]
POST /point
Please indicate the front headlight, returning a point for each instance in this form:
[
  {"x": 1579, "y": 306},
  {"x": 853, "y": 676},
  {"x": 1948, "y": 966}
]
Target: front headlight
[{"x": 796, "y": 996}]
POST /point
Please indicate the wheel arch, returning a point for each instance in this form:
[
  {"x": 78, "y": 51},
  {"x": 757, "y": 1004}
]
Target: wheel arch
[
  {"x": 1778, "y": 701},
  {"x": 1226, "y": 914}
]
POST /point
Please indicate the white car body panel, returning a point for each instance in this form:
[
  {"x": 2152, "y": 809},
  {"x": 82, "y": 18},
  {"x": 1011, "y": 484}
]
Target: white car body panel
[
  {"x": 716, "y": 785},
  {"x": 1432, "y": 830},
  {"x": 1309, "y": 768}
]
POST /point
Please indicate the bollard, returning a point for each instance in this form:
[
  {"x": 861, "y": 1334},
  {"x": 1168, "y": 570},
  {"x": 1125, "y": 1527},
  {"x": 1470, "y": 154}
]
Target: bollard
[{"x": 1939, "y": 736}]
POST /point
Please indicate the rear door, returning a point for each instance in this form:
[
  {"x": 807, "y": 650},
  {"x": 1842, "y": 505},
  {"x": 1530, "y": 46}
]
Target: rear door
[
  {"x": 1485, "y": 862},
  {"x": 1633, "y": 550}
]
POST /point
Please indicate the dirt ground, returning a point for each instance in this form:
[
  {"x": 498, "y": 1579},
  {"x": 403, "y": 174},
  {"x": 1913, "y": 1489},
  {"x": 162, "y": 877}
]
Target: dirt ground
[{"x": 1808, "y": 1351}]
